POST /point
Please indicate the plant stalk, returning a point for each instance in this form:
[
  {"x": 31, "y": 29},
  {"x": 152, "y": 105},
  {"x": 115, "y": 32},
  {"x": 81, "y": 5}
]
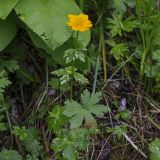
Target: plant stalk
[
  {"x": 103, "y": 49},
  {"x": 72, "y": 75}
]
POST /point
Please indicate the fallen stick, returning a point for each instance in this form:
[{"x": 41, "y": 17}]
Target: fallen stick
[{"x": 134, "y": 146}]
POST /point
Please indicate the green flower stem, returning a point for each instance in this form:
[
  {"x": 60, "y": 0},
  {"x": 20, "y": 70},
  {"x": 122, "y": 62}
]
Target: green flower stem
[
  {"x": 76, "y": 40},
  {"x": 72, "y": 75}
]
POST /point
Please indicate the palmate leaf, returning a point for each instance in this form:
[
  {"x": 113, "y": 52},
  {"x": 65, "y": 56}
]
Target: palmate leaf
[
  {"x": 117, "y": 25},
  {"x": 6, "y": 7},
  {"x": 90, "y": 99},
  {"x": 84, "y": 112}
]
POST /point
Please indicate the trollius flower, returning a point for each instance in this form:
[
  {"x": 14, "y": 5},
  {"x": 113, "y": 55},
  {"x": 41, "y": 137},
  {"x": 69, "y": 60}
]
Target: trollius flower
[{"x": 79, "y": 22}]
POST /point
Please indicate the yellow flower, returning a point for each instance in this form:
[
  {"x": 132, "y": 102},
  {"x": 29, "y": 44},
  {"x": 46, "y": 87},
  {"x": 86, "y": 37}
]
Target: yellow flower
[{"x": 79, "y": 22}]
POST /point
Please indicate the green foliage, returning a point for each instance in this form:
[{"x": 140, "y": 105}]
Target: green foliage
[
  {"x": 31, "y": 157},
  {"x": 59, "y": 52},
  {"x": 149, "y": 23},
  {"x": 118, "y": 26},
  {"x": 68, "y": 73},
  {"x": 117, "y": 50},
  {"x": 9, "y": 65},
  {"x": 4, "y": 82},
  {"x": 20, "y": 132},
  {"x": 72, "y": 54},
  {"x": 84, "y": 112},
  {"x": 125, "y": 115},
  {"x": 3, "y": 125},
  {"x": 6, "y": 7},
  {"x": 10, "y": 155},
  {"x": 154, "y": 148},
  {"x": 120, "y": 6},
  {"x": 55, "y": 84},
  {"x": 56, "y": 120},
  {"x": 31, "y": 142},
  {"x": 118, "y": 131},
  {"x": 53, "y": 14},
  {"x": 35, "y": 39},
  {"x": 69, "y": 142}
]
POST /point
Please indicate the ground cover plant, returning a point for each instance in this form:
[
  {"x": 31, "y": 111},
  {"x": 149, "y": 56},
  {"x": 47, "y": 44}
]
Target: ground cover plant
[{"x": 79, "y": 79}]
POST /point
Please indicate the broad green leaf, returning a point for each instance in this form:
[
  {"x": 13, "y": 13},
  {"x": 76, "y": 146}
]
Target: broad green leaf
[
  {"x": 74, "y": 108},
  {"x": 90, "y": 99},
  {"x": 7, "y": 32},
  {"x": 48, "y": 19},
  {"x": 77, "y": 120},
  {"x": 6, "y": 7}
]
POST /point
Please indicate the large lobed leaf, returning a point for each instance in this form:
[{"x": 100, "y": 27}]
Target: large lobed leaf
[
  {"x": 48, "y": 20},
  {"x": 6, "y": 7},
  {"x": 85, "y": 111}
]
